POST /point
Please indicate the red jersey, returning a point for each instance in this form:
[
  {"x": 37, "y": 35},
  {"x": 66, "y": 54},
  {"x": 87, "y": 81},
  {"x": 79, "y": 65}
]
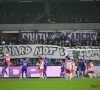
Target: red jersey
[
  {"x": 91, "y": 66},
  {"x": 68, "y": 65},
  {"x": 8, "y": 56},
  {"x": 73, "y": 65},
  {"x": 41, "y": 64}
]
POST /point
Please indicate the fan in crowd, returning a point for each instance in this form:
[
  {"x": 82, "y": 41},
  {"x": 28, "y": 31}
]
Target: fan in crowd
[{"x": 58, "y": 40}]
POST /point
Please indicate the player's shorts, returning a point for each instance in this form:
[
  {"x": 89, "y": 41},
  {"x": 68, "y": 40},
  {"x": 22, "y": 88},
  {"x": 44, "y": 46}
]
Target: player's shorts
[
  {"x": 5, "y": 67},
  {"x": 81, "y": 69},
  {"x": 90, "y": 71},
  {"x": 24, "y": 70},
  {"x": 45, "y": 70},
  {"x": 69, "y": 71},
  {"x": 41, "y": 70},
  {"x": 9, "y": 63}
]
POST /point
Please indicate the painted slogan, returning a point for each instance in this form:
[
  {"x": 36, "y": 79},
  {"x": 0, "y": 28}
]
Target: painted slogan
[{"x": 49, "y": 51}]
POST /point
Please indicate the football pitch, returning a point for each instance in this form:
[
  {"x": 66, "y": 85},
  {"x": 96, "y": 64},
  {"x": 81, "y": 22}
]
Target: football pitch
[{"x": 49, "y": 84}]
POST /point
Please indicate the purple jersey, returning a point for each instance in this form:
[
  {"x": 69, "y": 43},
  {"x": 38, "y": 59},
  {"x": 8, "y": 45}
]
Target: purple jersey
[
  {"x": 66, "y": 59},
  {"x": 82, "y": 66},
  {"x": 62, "y": 66},
  {"x": 5, "y": 62},
  {"x": 45, "y": 64},
  {"x": 24, "y": 64}
]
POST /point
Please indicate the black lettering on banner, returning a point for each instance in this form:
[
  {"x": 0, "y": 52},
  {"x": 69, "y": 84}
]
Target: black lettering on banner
[
  {"x": 70, "y": 53},
  {"x": 15, "y": 51},
  {"x": 90, "y": 53},
  {"x": 62, "y": 51},
  {"x": 41, "y": 50},
  {"x": 81, "y": 53},
  {"x": 1, "y": 52},
  {"x": 96, "y": 52},
  {"x": 66, "y": 52},
  {"x": 37, "y": 51},
  {"x": 24, "y": 50},
  {"x": 52, "y": 50},
  {"x": 8, "y": 49},
  {"x": 21, "y": 50},
  {"x": 45, "y": 50},
  {"x": 28, "y": 50}
]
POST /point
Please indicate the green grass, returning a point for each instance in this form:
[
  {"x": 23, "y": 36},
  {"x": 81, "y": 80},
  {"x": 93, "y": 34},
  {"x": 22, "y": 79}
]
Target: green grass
[{"x": 48, "y": 84}]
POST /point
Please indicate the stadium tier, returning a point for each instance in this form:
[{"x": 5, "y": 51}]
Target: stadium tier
[{"x": 50, "y": 12}]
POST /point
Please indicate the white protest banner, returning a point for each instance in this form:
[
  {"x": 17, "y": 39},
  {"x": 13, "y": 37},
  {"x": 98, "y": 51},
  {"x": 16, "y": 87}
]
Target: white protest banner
[{"x": 49, "y": 51}]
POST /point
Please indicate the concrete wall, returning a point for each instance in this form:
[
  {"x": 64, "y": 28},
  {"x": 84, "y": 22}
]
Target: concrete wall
[{"x": 65, "y": 26}]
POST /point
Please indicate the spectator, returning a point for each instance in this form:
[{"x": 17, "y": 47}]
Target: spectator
[
  {"x": 62, "y": 37},
  {"x": 98, "y": 39},
  {"x": 96, "y": 44},
  {"x": 69, "y": 44},
  {"x": 6, "y": 41},
  {"x": 62, "y": 43},
  {"x": 2, "y": 41},
  {"x": 99, "y": 44},
  {"x": 93, "y": 42},
  {"x": 87, "y": 43},
  {"x": 36, "y": 42},
  {"x": 51, "y": 42},
  {"x": 57, "y": 39},
  {"x": 10, "y": 43},
  {"x": 41, "y": 41},
  {"x": 56, "y": 43},
  {"x": 19, "y": 42},
  {"x": 46, "y": 40},
  {"x": 74, "y": 43},
  {"x": 83, "y": 42},
  {"x": 33, "y": 41}
]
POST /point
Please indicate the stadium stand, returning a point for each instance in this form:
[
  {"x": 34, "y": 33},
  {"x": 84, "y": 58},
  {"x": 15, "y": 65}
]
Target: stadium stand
[
  {"x": 70, "y": 12},
  {"x": 54, "y": 39}
]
